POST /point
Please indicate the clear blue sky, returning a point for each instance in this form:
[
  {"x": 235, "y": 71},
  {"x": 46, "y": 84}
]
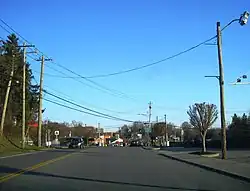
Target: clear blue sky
[{"x": 98, "y": 37}]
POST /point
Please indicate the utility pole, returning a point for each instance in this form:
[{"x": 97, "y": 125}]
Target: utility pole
[
  {"x": 166, "y": 131},
  {"x": 24, "y": 96},
  {"x": 24, "y": 92},
  {"x": 157, "y": 119},
  {"x": 99, "y": 134},
  {"x": 149, "y": 118},
  {"x": 222, "y": 104},
  {"x": 40, "y": 117},
  {"x": 7, "y": 94},
  {"x": 243, "y": 21},
  {"x": 149, "y": 111},
  {"x": 99, "y": 130}
]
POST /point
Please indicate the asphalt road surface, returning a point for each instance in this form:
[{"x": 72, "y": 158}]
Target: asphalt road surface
[{"x": 98, "y": 169}]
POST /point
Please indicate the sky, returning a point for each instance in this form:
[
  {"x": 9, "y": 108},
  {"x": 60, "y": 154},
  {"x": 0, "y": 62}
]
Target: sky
[{"x": 99, "y": 37}]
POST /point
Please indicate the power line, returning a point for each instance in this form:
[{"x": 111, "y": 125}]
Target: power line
[
  {"x": 116, "y": 118},
  {"x": 71, "y": 99},
  {"x": 5, "y": 29},
  {"x": 99, "y": 87},
  {"x": 68, "y": 107},
  {"x": 104, "y": 89},
  {"x": 124, "y": 71},
  {"x": 154, "y": 63},
  {"x": 136, "y": 68},
  {"x": 93, "y": 82},
  {"x": 108, "y": 90},
  {"x": 56, "y": 76},
  {"x": 13, "y": 30}
]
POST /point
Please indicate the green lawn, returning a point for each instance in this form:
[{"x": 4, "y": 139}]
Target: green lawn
[{"x": 13, "y": 146}]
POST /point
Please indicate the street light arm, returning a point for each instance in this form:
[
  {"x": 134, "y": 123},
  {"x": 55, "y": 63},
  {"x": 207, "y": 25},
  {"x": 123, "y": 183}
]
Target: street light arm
[
  {"x": 218, "y": 77},
  {"x": 229, "y": 24},
  {"x": 241, "y": 83}
]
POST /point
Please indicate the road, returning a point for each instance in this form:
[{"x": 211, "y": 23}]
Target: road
[{"x": 108, "y": 169}]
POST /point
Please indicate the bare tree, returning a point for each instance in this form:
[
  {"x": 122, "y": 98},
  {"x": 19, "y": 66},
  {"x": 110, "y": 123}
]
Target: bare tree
[
  {"x": 159, "y": 129},
  {"x": 202, "y": 116}
]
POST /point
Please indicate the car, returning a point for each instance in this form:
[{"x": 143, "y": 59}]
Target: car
[
  {"x": 76, "y": 142},
  {"x": 72, "y": 142},
  {"x": 136, "y": 143}
]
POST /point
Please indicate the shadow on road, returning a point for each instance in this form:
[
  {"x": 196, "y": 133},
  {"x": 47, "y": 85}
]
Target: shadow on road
[{"x": 9, "y": 170}]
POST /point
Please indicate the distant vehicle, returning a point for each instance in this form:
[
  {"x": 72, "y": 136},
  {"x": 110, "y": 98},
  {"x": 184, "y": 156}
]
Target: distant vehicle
[
  {"x": 136, "y": 143},
  {"x": 72, "y": 142},
  {"x": 76, "y": 142}
]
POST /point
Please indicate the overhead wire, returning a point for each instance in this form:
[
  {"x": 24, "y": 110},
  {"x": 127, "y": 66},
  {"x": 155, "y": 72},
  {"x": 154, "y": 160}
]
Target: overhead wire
[
  {"x": 66, "y": 76},
  {"x": 146, "y": 65},
  {"x": 5, "y": 29},
  {"x": 163, "y": 60},
  {"x": 71, "y": 99},
  {"x": 105, "y": 89},
  {"x": 136, "y": 68},
  {"x": 13, "y": 30},
  {"x": 85, "y": 112},
  {"x": 93, "y": 82},
  {"x": 88, "y": 109},
  {"x": 154, "y": 63}
]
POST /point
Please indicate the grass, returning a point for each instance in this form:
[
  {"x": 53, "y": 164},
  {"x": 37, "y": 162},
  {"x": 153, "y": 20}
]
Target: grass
[
  {"x": 206, "y": 154},
  {"x": 13, "y": 146}
]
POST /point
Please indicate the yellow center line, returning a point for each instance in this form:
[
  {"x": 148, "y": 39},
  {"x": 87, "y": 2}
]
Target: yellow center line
[{"x": 18, "y": 173}]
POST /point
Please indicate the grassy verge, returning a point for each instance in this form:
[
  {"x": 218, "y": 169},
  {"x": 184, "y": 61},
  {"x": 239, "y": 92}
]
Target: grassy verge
[
  {"x": 13, "y": 146},
  {"x": 206, "y": 154}
]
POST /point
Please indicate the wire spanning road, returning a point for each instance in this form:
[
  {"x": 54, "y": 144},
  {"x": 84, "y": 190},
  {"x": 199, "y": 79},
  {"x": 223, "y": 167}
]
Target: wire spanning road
[{"x": 108, "y": 169}]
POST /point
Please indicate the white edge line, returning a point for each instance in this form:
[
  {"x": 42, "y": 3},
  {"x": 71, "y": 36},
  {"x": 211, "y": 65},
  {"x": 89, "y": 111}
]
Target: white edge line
[{"x": 21, "y": 154}]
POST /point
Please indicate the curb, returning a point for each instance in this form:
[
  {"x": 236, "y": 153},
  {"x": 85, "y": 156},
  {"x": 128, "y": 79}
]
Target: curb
[
  {"x": 153, "y": 149},
  {"x": 232, "y": 175},
  {"x": 211, "y": 155}
]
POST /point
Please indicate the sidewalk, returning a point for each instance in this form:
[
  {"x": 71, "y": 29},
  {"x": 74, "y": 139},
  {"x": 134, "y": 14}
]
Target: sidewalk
[{"x": 226, "y": 167}]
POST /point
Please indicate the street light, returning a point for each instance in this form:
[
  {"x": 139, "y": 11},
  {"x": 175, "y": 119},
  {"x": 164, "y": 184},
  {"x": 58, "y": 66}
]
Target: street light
[
  {"x": 239, "y": 81},
  {"x": 242, "y": 20}
]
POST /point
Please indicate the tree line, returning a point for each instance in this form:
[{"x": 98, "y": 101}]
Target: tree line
[{"x": 198, "y": 131}]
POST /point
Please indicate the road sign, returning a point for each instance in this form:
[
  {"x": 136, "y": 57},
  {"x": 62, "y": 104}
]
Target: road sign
[{"x": 56, "y": 133}]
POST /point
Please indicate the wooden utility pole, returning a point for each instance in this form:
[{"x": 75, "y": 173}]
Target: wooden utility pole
[
  {"x": 149, "y": 119},
  {"x": 24, "y": 93},
  {"x": 166, "y": 130},
  {"x": 149, "y": 112},
  {"x": 7, "y": 94},
  {"x": 24, "y": 96},
  {"x": 40, "y": 113},
  {"x": 39, "y": 131},
  {"x": 222, "y": 104}
]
